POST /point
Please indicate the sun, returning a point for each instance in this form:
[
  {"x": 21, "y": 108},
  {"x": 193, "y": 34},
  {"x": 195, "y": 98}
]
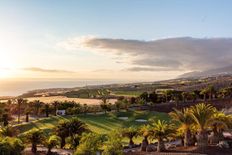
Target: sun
[{"x": 6, "y": 65}]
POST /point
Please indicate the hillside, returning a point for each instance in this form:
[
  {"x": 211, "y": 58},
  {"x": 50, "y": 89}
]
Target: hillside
[{"x": 209, "y": 73}]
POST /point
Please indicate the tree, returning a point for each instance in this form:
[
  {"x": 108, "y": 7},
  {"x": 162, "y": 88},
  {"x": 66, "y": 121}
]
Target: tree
[
  {"x": 19, "y": 102},
  {"x": 5, "y": 119},
  {"x": 62, "y": 131},
  {"x": 126, "y": 104},
  {"x": 144, "y": 96},
  {"x": 8, "y": 131},
  {"x": 27, "y": 116},
  {"x": 161, "y": 130},
  {"x": 35, "y": 137},
  {"x": 85, "y": 108},
  {"x": 113, "y": 145},
  {"x": 90, "y": 143},
  {"x": 70, "y": 129},
  {"x": 177, "y": 96},
  {"x": 211, "y": 91},
  {"x": 202, "y": 115},
  {"x": 204, "y": 92},
  {"x": 130, "y": 133},
  {"x": 153, "y": 97},
  {"x": 104, "y": 104},
  {"x": 184, "y": 118},
  {"x": 193, "y": 96},
  {"x": 52, "y": 142},
  {"x": 145, "y": 131},
  {"x": 167, "y": 93},
  {"x": 37, "y": 105},
  {"x": 76, "y": 127},
  {"x": 218, "y": 125},
  {"x": 55, "y": 105},
  {"x": 184, "y": 96},
  {"x": 132, "y": 100},
  {"x": 11, "y": 146},
  {"x": 47, "y": 110},
  {"x": 118, "y": 105}
]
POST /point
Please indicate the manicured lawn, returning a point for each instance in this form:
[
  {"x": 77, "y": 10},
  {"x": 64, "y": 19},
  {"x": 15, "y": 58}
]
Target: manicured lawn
[
  {"x": 99, "y": 123},
  {"x": 128, "y": 93}
]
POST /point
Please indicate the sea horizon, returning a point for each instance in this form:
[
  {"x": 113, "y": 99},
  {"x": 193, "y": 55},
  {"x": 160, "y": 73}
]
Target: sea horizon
[{"x": 15, "y": 87}]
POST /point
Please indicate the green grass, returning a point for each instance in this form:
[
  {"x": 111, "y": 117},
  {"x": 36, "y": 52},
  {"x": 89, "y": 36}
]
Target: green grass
[
  {"x": 100, "y": 123},
  {"x": 128, "y": 93}
]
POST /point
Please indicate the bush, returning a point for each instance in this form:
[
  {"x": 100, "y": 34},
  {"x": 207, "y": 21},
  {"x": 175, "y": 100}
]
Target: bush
[
  {"x": 89, "y": 144},
  {"x": 113, "y": 145},
  {"x": 11, "y": 146},
  {"x": 52, "y": 142}
]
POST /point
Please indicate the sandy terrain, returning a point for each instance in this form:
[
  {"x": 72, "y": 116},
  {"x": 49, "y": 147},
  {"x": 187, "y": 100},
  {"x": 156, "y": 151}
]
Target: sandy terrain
[{"x": 63, "y": 98}]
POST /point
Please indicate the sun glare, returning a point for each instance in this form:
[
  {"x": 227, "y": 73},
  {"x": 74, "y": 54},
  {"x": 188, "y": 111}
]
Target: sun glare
[{"x": 6, "y": 65}]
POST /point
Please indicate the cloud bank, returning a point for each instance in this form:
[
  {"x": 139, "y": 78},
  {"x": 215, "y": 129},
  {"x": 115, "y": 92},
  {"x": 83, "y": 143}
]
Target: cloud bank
[
  {"x": 172, "y": 54},
  {"x": 37, "y": 69}
]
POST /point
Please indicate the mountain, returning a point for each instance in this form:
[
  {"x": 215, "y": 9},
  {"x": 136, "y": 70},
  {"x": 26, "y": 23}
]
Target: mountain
[{"x": 208, "y": 73}]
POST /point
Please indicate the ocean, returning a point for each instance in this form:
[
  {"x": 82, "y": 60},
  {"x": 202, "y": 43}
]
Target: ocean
[{"x": 18, "y": 87}]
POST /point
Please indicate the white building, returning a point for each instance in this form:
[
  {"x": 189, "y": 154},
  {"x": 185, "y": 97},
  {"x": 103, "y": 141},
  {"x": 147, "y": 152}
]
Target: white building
[{"x": 60, "y": 112}]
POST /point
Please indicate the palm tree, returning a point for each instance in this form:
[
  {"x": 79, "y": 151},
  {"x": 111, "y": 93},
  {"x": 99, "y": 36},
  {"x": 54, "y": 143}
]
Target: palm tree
[
  {"x": 62, "y": 131},
  {"x": 204, "y": 92},
  {"x": 70, "y": 129},
  {"x": 52, "y": 142},
  {"x": 145, "y": 131},
  {"x": 211, "y": 91},
  {"x": 37, "y": 105},
  {"x": 202, "y": 115},
  {"x": 220, "y": 123},
  {"x": 193, "y": 96},
  {"x": 8, "y": 131},
  {"x": 35, "y": 137},
  {"x": 47, "y": 110},
  {"x": 185, "y": 120},
  {"x": 5, "y": 118},
  {"x": 118, "y": 105},
  {"x": 19, "y": 102},
  {"x": 184, "y": 96},
  {"x": 55, "y": 105},
  {"x": 167, "y": 93},
  {"x": 27, "y": 111},
  {"x": 126, "y": 104},
  {"x": 130, "y": 133},
  {"x": 162, "y": 130},
  {"x": 76, "y": 127},
  {"x": 104, "y": 104}
]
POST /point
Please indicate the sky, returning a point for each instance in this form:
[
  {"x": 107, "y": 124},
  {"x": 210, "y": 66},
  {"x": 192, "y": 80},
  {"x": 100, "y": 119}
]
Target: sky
[{"x": 128, "y": 40}]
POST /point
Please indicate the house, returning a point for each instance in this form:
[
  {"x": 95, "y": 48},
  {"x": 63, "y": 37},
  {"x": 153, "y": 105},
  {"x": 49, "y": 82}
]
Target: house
[{"x": 60, "y": 112}]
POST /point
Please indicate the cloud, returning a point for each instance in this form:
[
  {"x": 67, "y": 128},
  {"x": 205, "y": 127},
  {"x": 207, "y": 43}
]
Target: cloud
[
  {"x": 37, "y": 69},
  {"x": 169, "y": 54},
  {"x": 149, "y": 69}
]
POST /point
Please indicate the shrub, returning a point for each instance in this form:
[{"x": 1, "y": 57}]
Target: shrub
[
  {"x": 113, "y": 145},
  {"x": 89, "y": 144},
  {"x": 11, "y": 146}
]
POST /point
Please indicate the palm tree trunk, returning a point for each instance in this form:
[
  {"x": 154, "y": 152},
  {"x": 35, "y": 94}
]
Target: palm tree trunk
[
  {"x": 186, "y": 138},
  {"x": 55, "y": 110},
  {"x": 144, "y": 144},
  {"x": 34, "y": 148},
  {"x": 27, "y": 117},
  {"x": 19, "y": 113},
  {"x": 202, "y": 139},
  {"x": 159, "y": 146},
  {"x": 131, "y": 143},
  {"x": 62, "y": 143}
]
